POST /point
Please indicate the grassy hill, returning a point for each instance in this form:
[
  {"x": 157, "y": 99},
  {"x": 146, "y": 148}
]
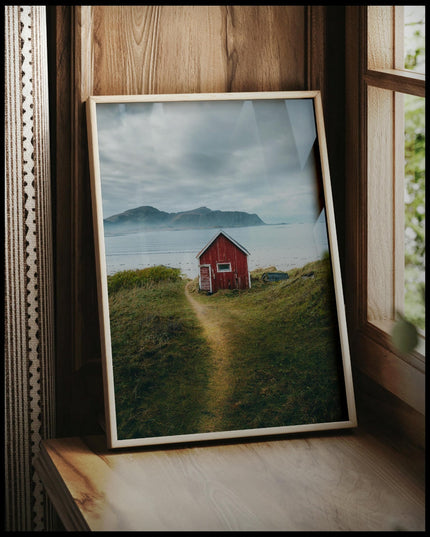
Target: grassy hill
[
  {"x": 159, "y": 354},
  {"x": 284, "y": 336},
  {"x": 281, "y": 336}
]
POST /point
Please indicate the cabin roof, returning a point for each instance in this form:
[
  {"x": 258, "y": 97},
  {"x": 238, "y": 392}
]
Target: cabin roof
[{"x": 203, "y": 250}]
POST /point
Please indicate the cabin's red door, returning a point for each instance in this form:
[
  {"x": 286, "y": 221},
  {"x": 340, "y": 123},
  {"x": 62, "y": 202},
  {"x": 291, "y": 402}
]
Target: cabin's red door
[{"x": 205, "y": 278}]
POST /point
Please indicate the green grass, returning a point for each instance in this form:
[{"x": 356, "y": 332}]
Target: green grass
[
  {"x": 129, "y": 279},
  {"x": 159, "y": 360},
  {"x": 281, "y": 335}
]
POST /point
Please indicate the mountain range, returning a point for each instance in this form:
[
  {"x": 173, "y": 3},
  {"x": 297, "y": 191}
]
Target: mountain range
[{"x": 202, "y": 217}]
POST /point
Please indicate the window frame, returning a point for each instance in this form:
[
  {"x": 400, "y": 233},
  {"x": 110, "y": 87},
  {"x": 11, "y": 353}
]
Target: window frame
[
  {"x": 372, "y": 64},
  {"x": 223, "y": 263}
]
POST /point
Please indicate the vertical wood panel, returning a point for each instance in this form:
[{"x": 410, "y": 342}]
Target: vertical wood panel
[
  {"x": 399, "y": 203},
  {"x": 316, "y": 41},
  {"x": 123, "y": 63},
  {"x": 380, "y": 203},
  {"x": 190, "y": 49},
  {"x": 355, "y": 176},
  {"x": 380, "y": 37},
  {"x": 265, "y": 48},
  {"x": 86, "y": 343},
  {"x": 59, "y": 36},
  {"x": 332, "y": 77}
]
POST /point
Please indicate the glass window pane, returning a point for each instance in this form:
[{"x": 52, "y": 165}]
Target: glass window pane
[
  {"x": 414, "y": 38},
  {"x": 414, "y": 307}
]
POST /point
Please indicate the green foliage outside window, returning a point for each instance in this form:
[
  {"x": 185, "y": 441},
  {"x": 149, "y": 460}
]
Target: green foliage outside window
[
  {"x": 415, "y": 210},
  {"x": 415, "y": 186},
  {"x": 414, "y": 42}
]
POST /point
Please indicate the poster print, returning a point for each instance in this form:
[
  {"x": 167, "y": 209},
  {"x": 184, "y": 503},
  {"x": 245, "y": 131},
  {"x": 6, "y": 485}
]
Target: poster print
[{"x": 221, "y": 308}]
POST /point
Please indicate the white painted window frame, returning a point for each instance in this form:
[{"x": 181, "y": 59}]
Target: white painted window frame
[{"x": 222, "y": 270}]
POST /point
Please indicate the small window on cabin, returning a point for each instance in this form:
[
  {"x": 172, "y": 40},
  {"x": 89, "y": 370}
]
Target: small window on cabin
[{"x": 224, "y": 267}]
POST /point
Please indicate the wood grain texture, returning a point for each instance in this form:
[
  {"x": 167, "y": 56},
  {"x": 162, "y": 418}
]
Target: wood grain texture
[
  {"x": 86, "y": 344},
  {"x": 327, "y": 483},
  {"x": 380, "y": 45},
  {"x": 391, "y": 420},
  {"x": 59, "y": 28},
  {"x": 402, "y": 81},
  {"x": 355, "y": 176},
  {"x": 380, "y": 205},
  {"x": 399, "y": 203},
  {"x": 316, "y": 61},
  {"x": 332, "y": 83},
  {"x": 396, "y": 375},
  {"x": 196, "y": 49}
]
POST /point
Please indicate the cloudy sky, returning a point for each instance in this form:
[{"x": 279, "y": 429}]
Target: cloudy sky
[{"x": 254, "y": 156}]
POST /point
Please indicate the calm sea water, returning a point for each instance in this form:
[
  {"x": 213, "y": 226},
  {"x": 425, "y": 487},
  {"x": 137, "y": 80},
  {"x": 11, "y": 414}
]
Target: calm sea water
[{"x": 284, "y": 246}]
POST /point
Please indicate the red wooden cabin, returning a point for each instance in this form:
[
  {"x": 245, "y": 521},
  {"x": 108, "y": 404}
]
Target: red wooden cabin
[{"x": 223, "y": 264}]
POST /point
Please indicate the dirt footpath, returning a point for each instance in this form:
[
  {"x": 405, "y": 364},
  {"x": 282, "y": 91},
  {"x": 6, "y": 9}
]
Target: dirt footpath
[{"x": 220, "y": 383}]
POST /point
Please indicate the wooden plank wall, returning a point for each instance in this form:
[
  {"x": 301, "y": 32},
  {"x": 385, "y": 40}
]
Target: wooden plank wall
[{"x": 107, "y": 50}]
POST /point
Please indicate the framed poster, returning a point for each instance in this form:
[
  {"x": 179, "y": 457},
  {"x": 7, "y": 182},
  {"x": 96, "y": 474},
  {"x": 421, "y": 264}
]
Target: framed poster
[{"x": 221, "y": 306}]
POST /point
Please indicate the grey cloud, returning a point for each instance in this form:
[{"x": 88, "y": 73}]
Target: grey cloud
[{"x": 177, "y": 156}]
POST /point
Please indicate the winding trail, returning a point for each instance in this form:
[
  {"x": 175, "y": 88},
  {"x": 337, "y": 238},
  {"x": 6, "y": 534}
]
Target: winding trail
[{"x": 220, "y": 382}]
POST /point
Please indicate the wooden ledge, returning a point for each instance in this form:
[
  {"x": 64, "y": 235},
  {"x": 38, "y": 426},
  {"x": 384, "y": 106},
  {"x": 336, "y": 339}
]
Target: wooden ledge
[{"x": 346, "y": 481}]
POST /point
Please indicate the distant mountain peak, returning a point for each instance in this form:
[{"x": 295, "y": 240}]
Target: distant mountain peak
[{"x": 146, "y": 216}]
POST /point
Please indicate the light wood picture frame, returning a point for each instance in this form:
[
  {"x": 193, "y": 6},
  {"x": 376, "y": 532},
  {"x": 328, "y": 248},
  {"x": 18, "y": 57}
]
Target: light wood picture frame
[{"x": 220, "y": 295}]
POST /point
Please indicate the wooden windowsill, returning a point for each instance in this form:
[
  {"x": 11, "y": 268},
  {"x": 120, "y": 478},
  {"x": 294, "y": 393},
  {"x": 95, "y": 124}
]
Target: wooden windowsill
[
  {"x": 416, "y": 358},
  {"x": 347, "y": 481},
  {"x": 404, "y": 376}
]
